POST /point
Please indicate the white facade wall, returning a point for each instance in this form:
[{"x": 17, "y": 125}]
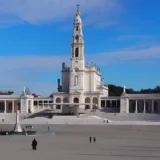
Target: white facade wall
[
  {"x": 87, "y": 78},
  {"x": 86, "y": 81},
  {"x": 97, "y": 81}
]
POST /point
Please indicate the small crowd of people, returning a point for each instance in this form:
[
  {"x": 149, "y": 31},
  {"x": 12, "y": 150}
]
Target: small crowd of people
[
  {"x": 94, "y": 139},
  {"x": 35, "y": 143}
]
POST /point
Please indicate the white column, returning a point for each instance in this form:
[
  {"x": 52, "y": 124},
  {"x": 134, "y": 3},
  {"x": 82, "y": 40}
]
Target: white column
[
  {"x": 99, "y": 103},
  {"x": 110, "y": 103},
  {"x": 91, "y": 106},
  {"x": 48, "y": 105},
  {"x": 152, "y": 106},
  {"x": 43, "y": 104},
  {"x": 127, "y": 105},
  {"x": 17, "y": 126},
  {"x": 12, "y": 106},
  {"x": 136, "y": 107},
  {"x": 5, "y": 106},
  {"x": 38, "y": 104},
  {"x": 158, "y": 106},
  {"x": 62, "y": 102},
  {"x": 116, "y": 104},
  {"x": 144, "y": 109},
  {"x": 105, "y": 103}
]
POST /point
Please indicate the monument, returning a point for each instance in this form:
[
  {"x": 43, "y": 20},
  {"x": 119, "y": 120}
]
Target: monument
[{"x": 17, "y": 127}]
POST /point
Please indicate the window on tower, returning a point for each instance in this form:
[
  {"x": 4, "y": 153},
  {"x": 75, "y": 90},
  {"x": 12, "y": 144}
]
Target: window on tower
[
  {"x": 76, "y": 52},
  {"x": 77, "y": 28}
]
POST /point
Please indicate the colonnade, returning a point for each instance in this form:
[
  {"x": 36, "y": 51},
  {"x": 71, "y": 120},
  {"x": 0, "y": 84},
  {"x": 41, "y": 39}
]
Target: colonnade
[
  {"x": 144, "y": 106},
  {"x": 8, "y": 106},
  {"x": 110, "y": 103},
  {"x": 42, "y": 104}
]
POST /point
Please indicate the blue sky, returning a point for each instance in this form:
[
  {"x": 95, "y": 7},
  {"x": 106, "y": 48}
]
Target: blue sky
[{"x": 121, "y": 36}]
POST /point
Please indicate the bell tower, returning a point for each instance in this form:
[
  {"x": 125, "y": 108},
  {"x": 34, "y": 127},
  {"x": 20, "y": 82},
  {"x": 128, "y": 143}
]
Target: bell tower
[
  {"x": 77, "y": 56},
  {"x": 77, "y": 43}
]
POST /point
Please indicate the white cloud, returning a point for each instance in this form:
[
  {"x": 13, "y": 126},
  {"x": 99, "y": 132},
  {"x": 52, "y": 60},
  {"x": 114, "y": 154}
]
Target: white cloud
[
  {"x": 40, "y": 63},
  {"x": 19, "y": 71},
  {"x": 141, "y": 37},
  {"x": 30, "y": 71},
  {"x": 127, "y": 55},
  {"x": 44, "y": 11}
]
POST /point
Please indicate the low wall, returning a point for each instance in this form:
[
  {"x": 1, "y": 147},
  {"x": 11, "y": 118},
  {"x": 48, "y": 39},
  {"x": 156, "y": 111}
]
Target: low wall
[{"x": 129, "y": 116}]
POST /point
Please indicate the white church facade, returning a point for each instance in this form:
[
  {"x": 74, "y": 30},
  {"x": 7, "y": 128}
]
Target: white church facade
[{"x": 80, "y": 90}]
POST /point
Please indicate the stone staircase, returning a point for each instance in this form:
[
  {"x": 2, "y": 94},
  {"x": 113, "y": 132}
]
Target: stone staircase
[{"x": 129, "y": 116}]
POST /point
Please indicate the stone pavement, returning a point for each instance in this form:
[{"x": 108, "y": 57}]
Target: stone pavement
[{"x": 71, "y": 142}]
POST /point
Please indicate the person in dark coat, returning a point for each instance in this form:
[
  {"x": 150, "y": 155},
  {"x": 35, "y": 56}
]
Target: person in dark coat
[
  {"x": 34, "y": 144},
  {"x": 90, "y": 139},
  {"x": 94, "y": 139}
]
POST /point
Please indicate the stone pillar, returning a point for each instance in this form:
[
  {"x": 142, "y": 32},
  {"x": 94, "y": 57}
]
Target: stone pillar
[
  {"x": 152, "y": 106},
  {"x": 5, "y": 106},
  {"x": 136, "y": 109},
  {"x": 17, "y": 126},
  {"x": 43, "y": 104},
  {"x": 110, "y": 103},
  {"x": 99, "y": 102},
  {"x": 53, "y": 104},
  {"x": 105, "y": 103},
  {"x": 62, "y": 102},
  {"x": 158, "y": 106},
  {"x": 127, "y": 105},
  {"x": 12, "y": 106},
  {"x": 144, "y": 109},
  {"x": 48, "y": 105},
  {"x": 116, "y": 104},
  {"x": 91, "y": 106}
]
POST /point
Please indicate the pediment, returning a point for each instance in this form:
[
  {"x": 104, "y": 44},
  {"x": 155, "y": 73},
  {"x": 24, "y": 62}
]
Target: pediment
[{"x": 76, "y": 92}]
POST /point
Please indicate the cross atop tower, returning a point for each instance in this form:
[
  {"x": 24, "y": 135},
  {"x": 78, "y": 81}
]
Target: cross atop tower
[{"x": 78, "y": 7}]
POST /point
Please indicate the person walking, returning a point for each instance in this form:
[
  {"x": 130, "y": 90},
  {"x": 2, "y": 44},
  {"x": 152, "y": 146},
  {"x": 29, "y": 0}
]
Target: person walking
[
  {"x": 34, "y": 144},
  {"x": 90, "y": 139},
  {"x": 94, "y": 139}
]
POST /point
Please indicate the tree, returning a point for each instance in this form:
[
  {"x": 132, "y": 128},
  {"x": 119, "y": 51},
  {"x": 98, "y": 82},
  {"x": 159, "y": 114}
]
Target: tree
[{"x": 118, "y": 90}]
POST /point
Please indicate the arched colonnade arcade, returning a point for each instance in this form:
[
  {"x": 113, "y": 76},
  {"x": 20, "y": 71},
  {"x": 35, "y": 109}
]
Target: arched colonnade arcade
[
  {"x": 9, "y": 106},
  {"x": 144, "y": 106}
]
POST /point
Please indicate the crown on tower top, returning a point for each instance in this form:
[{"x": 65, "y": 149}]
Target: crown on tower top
[{"x": 78, "y": 13}]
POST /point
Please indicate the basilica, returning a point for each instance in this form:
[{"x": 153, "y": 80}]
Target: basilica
[{"x": 81, "y": 89}]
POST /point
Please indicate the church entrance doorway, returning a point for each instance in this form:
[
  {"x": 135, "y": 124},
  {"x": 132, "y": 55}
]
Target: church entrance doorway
[
  {"x": 87, "y": 100},
  {"x": 95, "y": 102},
  {"x": 75, "y": 108}
]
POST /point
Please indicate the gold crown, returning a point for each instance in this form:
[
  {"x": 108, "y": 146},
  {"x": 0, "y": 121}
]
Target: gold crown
[{"x": 78, "y": 13}]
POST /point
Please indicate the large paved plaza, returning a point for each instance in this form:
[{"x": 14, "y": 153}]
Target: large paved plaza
[{"x": 72, "y": 142}]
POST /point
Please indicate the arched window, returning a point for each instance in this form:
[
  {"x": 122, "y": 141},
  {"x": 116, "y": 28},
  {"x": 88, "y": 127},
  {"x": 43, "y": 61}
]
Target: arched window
[
  {"x": 87, "y": 100},
  {"x": 77, "y": 28},
  {"x": 58, "y": 100},
  {"x": 95, "y": 102},
  {"x": 76, "y": 52},
  {"x": 76, "y": 69},
  {"x": 75, "y": 100}
]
